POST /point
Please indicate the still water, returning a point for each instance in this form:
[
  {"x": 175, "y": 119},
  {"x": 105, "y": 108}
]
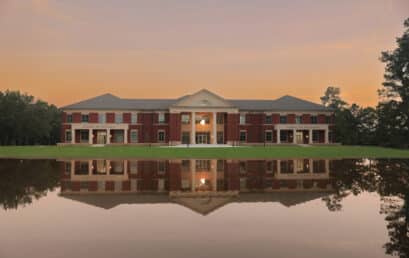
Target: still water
[{"x": 204, "y": 208}]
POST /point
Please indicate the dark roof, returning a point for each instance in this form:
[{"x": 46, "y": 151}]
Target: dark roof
[
  {"x": 109, "y": 101},
  {"x": 111, "y": 200}
]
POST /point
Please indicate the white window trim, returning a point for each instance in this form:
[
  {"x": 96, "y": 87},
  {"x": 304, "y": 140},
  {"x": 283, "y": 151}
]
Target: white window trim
[
  {"x": 164, "y": 135},
  {"x": 104, "y": 119},
  {"x": 244, "y": 120},
  {"x": 65, "y": 135},
  {"x": 137, "y": 135},
  {"x": 241, "y": 131},
  {"x": 161, "y": 114},
  {"x": 134, "y": 114},
  {"x": 265, "y": 135},
  {"x": 121, "y": 115},
  {"x": 189, "y": 118},
  {"x": 84, "y": 114}
]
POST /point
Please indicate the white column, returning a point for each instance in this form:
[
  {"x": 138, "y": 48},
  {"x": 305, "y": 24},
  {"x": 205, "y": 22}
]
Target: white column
[
  {"x": 89, "y": 167},
  {"x": 278, "y": 136},
  {"x": 278, "y": 166},
  {"x": 193, "y": 130},
  {"x": 72, "y": 136},
  {"x": 125, "y": 136},
  {"x": 193, "y": 174},
  {"x": 109, "y": 167},
  {"x": 72, "y": 167},
  {"x": 214, "y": 175},
  {"x": 326, "y": 136},
  {"x": 294, "y": 138},
  {"x": 108, "y": 136},
  {"x": 90, "y": 136},
  {"x": 214, "y": 140},
  {"x": 310, "y": 137}
]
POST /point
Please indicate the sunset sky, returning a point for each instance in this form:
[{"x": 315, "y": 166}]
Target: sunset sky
[{"x": 63, "y": 51}]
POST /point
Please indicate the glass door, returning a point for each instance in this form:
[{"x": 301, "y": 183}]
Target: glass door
[{"x": 202, "y": 138}]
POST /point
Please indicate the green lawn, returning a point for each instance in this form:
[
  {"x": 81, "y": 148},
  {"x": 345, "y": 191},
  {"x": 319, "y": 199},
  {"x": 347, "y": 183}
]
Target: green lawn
[{"x": 233, "y": 153}]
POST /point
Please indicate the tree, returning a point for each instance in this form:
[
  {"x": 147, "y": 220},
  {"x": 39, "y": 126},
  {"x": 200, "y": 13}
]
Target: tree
[
  {"x": 353, "y": 124},
  {"x": 393, "y": 108},
  {"x": 332, "y": 99},
  {"x": 24, "y": 120}
]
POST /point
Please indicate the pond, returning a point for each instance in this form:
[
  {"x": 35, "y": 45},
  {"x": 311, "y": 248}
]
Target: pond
[{"x": 204, "y": 208}]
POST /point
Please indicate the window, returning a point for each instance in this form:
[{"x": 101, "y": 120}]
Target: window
[
  {"x": 84, "y": 135},
  {"x": 220, "y": 119},
  {"x": 298, "y": 120},
  {"x": 315, "y": 136},
  {"x": 318, "y": 166},
  {"x": 68, "y": 136},
  {"x": 269, "y": 136},
  {"x": 269, "y": 166},
  {"x": 101, "y": 118},
  {"x": 133, "y": 167},
  {"x": 269, "y": 119},
  {"x": 283, "y": 119},
  {"x": 203, "y": 165},
  {"x": 242, "y": 119},
  {"x": 202, "y": 119},
  {"x": 134, "y": 136},
  {"x": 220, "y": 137},
  {"x": 331, "y": 136},
  {"x": 118, "y": 118},
  {"x": 243, "y": 136},
  {"x": 185, "y": 119},
  {"x": 118, "y": 136},
  {"x": 283, "y": 136},
  {"x": 287, "y": 166},
  {"x": 220, "y": 165},
  {"x": 117, "y": 167},
  {"x": 327, "y": 119},
  {"x": 84, "y": 118},
  {"x": 69, "y": 118},
  {"x": 161, "y": 118},
  {"x": 161, "y": 167},
  {"x": 82, "y": 168},
  {"x": 314, "y": 119},
  {"x": 185, "y": 137},
  {"x": 242, "y": 167},
  {"x": 186, "y": 165},
  {"x": 161, "y": 136},
  {"x": 67, "y": 168},
  {"x": 134, "y": 118}
]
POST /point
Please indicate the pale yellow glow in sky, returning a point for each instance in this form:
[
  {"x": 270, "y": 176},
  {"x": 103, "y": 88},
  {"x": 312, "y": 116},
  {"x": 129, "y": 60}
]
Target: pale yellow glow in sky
[{"x": 65, "y": 51}]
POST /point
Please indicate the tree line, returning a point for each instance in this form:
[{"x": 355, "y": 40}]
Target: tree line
[
  {"x": 27, "y": 121},
  {"x": 388, "y": 123}
]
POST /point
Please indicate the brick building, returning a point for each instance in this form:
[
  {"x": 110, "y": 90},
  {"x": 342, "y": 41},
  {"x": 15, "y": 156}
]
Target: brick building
[
  {"x": 201, "y": 185},
  {"x": 199, "y": 118}
]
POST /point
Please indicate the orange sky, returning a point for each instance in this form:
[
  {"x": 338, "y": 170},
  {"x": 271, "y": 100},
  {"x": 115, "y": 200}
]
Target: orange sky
[{"x": 65, "y": 51}]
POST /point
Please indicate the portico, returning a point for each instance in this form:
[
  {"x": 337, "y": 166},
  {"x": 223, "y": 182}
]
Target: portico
[{"x": 203, "y": 118}]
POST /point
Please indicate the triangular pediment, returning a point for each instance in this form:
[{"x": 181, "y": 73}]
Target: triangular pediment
[
  {"x": 203, "y": 98},
  {"x": 203, "y": 205}
]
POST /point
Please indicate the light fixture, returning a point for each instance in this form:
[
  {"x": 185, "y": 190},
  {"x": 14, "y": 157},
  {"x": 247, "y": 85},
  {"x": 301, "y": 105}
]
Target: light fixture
[
  {"x": 202, "y": 181},
  {"x": 202, "y": 122}
]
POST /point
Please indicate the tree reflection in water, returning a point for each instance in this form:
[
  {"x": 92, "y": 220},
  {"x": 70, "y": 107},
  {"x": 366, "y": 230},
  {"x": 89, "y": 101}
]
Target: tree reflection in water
[
  {"x": 390, "y": 179},
  {"x": 22, "y": 181}
]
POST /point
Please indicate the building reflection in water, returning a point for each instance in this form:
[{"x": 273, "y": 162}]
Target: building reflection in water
[{"x": 201, "y": 185}]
